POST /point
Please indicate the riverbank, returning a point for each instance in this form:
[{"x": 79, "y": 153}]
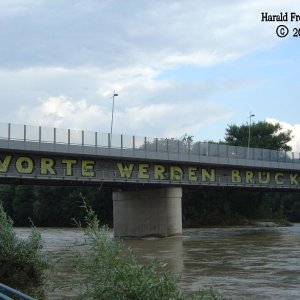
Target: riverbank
[
  {"x": 271, "y": 223},
  {"x": 241, "y": 222}
]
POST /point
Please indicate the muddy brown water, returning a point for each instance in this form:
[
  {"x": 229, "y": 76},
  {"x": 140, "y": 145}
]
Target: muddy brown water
[{"x": 250, "y": 262}]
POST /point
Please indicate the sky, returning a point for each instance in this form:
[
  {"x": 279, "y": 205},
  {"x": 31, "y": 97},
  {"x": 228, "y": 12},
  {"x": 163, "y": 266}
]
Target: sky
[{"x": 179, "y": 67}]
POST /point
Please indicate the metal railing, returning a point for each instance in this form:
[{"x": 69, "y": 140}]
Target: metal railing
[
  {"x": 81, "y": 138},
  {"x": 7, "y": 292}
]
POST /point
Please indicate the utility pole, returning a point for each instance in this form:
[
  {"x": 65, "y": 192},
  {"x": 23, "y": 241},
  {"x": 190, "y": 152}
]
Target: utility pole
[{"x": 112, "y": 115}]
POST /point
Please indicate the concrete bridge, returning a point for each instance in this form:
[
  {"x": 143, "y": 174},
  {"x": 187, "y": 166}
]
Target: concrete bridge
[{"x": 148, "y": 172}]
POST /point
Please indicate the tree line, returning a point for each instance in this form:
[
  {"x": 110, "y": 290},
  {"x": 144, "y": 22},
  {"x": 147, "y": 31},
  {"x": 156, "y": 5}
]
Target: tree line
[
  {"x": 54, "y": 205},
  {"x": 59, "y": 205}
]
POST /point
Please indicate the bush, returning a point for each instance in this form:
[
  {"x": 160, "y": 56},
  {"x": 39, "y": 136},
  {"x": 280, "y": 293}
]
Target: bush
[
  {"x": 22, "y": 264},
  {"x": 108, "y": 271}
]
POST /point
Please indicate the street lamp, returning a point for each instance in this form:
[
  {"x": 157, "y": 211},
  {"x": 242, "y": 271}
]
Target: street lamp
[
  {"x": 112, "y": 114},
  {"x": 249, "y": 136}
]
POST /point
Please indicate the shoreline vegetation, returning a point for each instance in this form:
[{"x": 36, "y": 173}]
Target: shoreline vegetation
[
  {"x": 106, "y": 270},
  {"x": 23, "y": 264},
  {"x": 56, "y": 206}
]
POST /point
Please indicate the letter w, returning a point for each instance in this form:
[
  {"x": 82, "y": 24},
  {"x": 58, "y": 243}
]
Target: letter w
[
  {"x": 125, "y": 171},
  {"x": 5, "y": 163}
]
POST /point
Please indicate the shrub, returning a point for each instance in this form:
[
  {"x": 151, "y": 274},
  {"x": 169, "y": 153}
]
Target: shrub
[
  {"x": 22, "y": 264},
  {"x": 108, "y": 271}
]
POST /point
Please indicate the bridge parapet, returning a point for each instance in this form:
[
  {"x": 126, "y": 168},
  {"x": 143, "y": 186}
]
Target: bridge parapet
[{"x": 56, "y": 140}]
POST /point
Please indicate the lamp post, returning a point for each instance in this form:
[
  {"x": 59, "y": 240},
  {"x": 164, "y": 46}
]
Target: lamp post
[
  {"x": 112, "y": 114},
  {"x": 249, "y": 136}
]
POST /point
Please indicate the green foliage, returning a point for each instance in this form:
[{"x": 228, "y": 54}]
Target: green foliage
[
  {"x": 109, "y": 271},
  {"x": 235, "y": 207},
  {"x": 106, "y": 273},
  {"x": 291, "y": 206},
  {"x": 22, "y": 205},
  {"x": 7, "y": 194},
  {"x": 52, "y": 205},
  {"x": 263, "y": 135},
  {"x": 22, "y": 263}
]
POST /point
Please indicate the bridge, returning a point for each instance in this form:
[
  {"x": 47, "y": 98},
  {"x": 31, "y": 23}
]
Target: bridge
[{"x": 149, "y": 172}]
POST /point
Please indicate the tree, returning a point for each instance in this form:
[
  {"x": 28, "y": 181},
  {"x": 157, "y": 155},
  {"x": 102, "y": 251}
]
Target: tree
[
  {"x": 183, "y": 144},
  {"x": 47, "y": 205},
  {"x": 263, "y": 135},
  {"x": 22, "y": 205},
  {"x": 268, "y": 136},
  {"x": 6, "y": 196}
]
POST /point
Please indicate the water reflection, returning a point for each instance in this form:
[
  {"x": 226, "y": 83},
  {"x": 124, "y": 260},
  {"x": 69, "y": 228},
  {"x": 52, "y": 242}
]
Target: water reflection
[
  {"x": 258, "y": 263},
  {"x": 168, "y": 250}
]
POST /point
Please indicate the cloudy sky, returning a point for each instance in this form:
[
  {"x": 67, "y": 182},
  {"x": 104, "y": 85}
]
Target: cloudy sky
[{"x": 190, "y": 66}]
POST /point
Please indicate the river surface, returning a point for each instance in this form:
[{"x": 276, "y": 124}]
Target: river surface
[{"x": 240, "y": 262}]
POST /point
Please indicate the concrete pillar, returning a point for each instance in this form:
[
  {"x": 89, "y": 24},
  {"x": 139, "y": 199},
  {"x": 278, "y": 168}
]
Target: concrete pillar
[{"x": 148, "y": 212}]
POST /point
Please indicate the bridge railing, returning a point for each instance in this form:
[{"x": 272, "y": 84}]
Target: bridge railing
[
  {"x": 56, "y": 136},
  {"x": 8, "y": 293}
]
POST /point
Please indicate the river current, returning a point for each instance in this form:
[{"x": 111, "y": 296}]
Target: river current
[{"x": 240, "y": 262}]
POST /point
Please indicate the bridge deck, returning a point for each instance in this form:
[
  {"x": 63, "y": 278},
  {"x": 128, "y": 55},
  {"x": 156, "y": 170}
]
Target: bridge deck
[{"x": 50, "y": 155}]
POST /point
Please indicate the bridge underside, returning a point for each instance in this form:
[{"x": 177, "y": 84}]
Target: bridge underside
[
  {"x": 115, "y": 185},
  {"x": 150, "y": 201}
]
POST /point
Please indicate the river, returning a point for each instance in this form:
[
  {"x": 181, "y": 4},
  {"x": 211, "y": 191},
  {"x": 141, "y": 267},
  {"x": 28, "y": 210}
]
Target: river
[{"x": 250, "y": 262}]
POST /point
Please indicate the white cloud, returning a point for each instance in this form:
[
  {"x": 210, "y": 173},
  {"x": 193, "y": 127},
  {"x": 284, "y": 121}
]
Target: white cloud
[
  {"x": 64, "y": 112},
  {"x": 155, "y": 120},
  {"x": 156, "y": 34},
  {"x": 61, "y": 69},
  {"x": 14, "y": 8},
  {"x": 295, "y": 128}
]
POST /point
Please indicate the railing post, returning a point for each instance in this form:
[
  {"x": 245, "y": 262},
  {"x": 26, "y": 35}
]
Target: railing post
[
  {"x": 133, "y": 142},
  {"x": 156, "y": 146},
  {"x": 69, "y": 137},
  {"x": 109, "y": 140},
  {"x": 285, "y": 155},
  {"x": 9, "y": 133},
  {"x": 40, "y": 136},
  {"x": 82, "y": 138},
  {"x": 54, "y": 137},
  {"x": 96, "y": 141},
  {"x": 122, "y": 142},
  {"x": 24, "y": 133},
  {"x": 24, "y": 137},
  {"x": 145, "y": 141}
]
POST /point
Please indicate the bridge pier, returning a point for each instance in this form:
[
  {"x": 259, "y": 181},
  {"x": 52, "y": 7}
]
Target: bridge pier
[{"x": 148, "y": 212}]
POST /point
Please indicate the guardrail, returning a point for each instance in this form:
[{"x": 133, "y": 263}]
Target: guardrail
[
  {"x": 83, "y": 139},
  {"x": 7, "y": 292}
]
